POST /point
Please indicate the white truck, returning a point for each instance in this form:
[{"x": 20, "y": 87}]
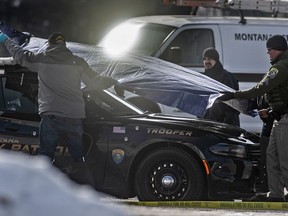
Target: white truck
[{"x": 240, "y": 42}]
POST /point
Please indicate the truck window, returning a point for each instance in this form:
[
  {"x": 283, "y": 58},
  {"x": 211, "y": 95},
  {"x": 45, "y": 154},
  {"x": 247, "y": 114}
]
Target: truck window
[
  {"x": 187, "y": 47},
  {"x": 135, "y": 37}
]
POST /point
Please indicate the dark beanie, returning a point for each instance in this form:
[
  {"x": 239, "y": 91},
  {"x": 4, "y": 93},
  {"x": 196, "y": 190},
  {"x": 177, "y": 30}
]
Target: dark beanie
[
  {"x": 212, "y": 53},
  {"x": 277, "y": 42},
  {"x": 56, "y": 38}
]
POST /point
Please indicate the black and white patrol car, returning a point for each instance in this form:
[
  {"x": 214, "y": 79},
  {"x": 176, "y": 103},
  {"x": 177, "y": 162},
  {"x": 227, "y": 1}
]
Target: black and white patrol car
[{"x": 133, "y": 153}]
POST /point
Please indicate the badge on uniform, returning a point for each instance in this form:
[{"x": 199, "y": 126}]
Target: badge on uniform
[{"x": 273, "y": 72}]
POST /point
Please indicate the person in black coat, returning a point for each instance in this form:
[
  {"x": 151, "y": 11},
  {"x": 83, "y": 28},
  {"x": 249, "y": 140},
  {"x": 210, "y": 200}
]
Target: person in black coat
[{"x": 214, "y": 69}]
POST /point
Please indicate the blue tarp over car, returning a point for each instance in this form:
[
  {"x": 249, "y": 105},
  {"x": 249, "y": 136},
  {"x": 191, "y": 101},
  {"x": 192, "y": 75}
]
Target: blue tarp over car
[{"x": 149, "y": 77}]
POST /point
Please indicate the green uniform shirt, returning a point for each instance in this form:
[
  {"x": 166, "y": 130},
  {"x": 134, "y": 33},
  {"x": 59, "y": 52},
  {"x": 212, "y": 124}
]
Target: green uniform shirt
[{"x": 274, "y": 85}]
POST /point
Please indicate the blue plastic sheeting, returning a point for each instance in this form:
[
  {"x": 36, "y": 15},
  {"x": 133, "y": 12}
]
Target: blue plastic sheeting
[{"x": 152, "y": 78}]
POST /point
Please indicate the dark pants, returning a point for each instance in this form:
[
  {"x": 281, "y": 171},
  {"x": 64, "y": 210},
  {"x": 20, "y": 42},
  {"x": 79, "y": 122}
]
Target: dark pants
[
  {"x": 264, "y": 140},
  {"x": 277, "y": 160},
  {"x": 54, "y": 128}
]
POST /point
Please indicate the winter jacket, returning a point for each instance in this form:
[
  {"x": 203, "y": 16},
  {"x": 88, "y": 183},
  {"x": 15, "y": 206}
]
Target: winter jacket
[
  {"x": 219, "y": 111},
  {"x": 60, "y": 74},
  {"x": 274, "y": 85}
]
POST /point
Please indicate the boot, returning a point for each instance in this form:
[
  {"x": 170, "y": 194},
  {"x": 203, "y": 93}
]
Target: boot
[{"x": 257, "y": 197}]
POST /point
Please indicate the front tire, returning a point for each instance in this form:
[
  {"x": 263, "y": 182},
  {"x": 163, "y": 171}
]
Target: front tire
[{"x": 170, "y": 174}]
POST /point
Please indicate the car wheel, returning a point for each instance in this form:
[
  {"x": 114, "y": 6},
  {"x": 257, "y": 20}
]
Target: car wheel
[
  {"x": 145, "y": 105},
  {"x": 170, "y": 174}
]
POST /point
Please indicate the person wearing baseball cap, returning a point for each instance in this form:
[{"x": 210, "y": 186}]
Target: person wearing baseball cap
[
  {"x": 56, "y": 38},
  {"x": 274, "y": 86},
  {"x": 61, "y": 105},
  {"x": 214, "y": 69}
]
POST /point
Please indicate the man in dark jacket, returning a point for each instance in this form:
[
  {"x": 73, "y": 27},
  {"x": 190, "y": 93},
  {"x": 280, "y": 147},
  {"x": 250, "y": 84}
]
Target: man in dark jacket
[
  {"x": 214, "y": 69},
  {"x": 275, "y": 87},
  {"x": 60, "y": 98}
]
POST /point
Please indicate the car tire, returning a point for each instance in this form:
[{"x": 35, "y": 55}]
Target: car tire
[
  {"x": 145, "y": 104},
  {"x": 170, "y": 174}
]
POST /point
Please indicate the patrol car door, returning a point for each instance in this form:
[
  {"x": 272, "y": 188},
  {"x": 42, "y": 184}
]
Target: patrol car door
[{"x": 19, "y": 121}]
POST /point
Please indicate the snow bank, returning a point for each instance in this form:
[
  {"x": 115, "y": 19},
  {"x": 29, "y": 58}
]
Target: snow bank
[{"x": 32, "y": 186}]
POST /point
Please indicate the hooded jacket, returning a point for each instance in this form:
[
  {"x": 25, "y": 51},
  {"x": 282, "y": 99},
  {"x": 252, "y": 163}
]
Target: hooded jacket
[{"x": 60, "y": 74}]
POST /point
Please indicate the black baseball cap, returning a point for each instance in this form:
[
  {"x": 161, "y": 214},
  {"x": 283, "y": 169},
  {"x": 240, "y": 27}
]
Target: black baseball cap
[{"x": 56, "y": 38}]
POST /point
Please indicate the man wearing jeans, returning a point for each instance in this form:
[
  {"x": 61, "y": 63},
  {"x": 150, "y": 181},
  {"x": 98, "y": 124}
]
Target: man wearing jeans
[{"x": 60, "y": 98}]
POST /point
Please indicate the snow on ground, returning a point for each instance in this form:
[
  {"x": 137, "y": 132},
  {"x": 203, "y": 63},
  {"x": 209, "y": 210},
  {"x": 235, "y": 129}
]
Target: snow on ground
[{"x": 31, "y": 186}]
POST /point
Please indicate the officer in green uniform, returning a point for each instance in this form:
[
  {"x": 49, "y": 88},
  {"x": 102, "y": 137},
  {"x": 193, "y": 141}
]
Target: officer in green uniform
[{"x": 274, "y": 86}]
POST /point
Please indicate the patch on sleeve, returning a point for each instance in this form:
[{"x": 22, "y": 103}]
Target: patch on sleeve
[{"x": 273, "y": 72}]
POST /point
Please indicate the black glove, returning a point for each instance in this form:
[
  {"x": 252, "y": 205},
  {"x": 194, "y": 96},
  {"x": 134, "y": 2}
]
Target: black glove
[{"x": 226, "y": 96}]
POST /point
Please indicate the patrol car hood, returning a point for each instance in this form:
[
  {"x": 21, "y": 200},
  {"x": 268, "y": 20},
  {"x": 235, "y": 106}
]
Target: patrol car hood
[{"x": 200, "y": 124}]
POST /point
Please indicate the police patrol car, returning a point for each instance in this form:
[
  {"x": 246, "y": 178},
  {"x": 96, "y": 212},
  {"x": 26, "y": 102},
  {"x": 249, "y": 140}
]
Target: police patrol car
[{"x": 132, "y": 153}]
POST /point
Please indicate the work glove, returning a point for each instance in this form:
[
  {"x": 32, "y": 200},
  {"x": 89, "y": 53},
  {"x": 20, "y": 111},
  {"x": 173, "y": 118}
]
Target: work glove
[
  {"x": 3, "y": 37},
  {"x": 226, "y": 96}
]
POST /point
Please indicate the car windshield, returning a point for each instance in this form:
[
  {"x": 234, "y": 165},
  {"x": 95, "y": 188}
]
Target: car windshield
[
  {"x": 106, "y": 103},
  {"x": 136, "y": 37},
  {"x": 18, "y": 91}
]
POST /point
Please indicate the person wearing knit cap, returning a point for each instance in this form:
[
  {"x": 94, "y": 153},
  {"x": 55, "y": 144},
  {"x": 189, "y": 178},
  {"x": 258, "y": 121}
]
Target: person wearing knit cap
[
  {"x": 214, "y": 69},
  {"x": 274, "y": 86},
  {"x": 277, "y": 42},
  {"x": 211, "y": 53}
]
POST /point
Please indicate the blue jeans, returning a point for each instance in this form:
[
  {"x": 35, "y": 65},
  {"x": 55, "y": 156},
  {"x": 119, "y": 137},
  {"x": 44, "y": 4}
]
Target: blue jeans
[{"x": 54, "y": 128}]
